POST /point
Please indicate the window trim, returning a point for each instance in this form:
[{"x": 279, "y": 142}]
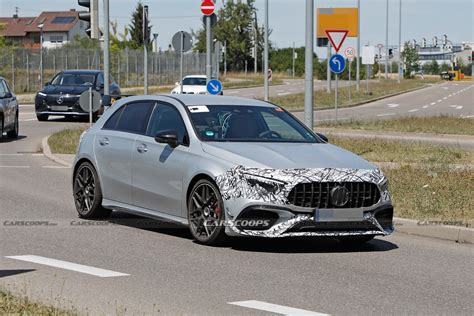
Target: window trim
[
  {"x": 122, "y": 109},
  {"x": 163, "y": 103}
]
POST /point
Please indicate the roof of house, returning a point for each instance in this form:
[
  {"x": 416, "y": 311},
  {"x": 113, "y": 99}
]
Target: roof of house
[{"x": 53, "y": 21}]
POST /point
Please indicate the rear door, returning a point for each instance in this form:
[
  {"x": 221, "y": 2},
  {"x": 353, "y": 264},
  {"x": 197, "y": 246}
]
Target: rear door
[
  {"x": 113, "y": 149},
  {"x": 7, "y": 105},
  {"x": 157, "y": 169}
]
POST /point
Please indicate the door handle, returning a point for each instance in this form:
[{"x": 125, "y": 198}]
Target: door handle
[
  {"x": 104, "y": 141},
  {"x": 142, "y": 149}
]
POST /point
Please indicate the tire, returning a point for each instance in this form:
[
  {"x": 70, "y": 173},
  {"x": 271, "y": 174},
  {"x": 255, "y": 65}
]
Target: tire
[
  {"x": 14, "y": 132},
  {"x": 42, "y": 117},
  {"x": 205, "y": 205},
  {"x": 356, "y": 240},
  {"x": 87, "y": 193}
]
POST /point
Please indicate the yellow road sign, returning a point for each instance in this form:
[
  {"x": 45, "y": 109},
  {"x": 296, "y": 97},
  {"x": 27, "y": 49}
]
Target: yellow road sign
[{"x": 337, "y": 19}]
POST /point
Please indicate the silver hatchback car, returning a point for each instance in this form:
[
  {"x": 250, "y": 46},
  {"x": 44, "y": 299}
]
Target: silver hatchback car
[{"x": 226, "y": 166}]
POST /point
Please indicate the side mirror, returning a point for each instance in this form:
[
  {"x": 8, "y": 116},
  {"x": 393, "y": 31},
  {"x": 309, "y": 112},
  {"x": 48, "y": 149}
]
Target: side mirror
[
  {"x": 8, "y": 95},
  {"x": 167, "y": 137},
  {"x": 323, "y": 137},
  {"x": 47, "y": 84},
  {"x": 176, "y": 83},
  {"x": 106, "y": 100}
]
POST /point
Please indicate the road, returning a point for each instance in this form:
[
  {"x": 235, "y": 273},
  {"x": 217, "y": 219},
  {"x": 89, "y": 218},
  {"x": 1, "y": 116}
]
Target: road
[{"x": 151, "y": 266}]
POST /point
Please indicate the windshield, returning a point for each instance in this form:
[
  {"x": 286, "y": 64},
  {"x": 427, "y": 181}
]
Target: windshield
[
  {"x": 73, "y": 80},
  {"x": 193, "y": 81},
  {"x": 248, "y": 123}
]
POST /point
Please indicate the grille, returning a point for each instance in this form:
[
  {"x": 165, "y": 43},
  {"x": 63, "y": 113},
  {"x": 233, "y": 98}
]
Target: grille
[{"x": 318, "y": 194}]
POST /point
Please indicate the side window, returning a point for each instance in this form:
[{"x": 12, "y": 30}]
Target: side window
[
  {"x": 134, "y": 117},
  {"x": 113, "y": 120},
  {"x": 278, "y": 125},
  {"x": 100, "y": 79},
  {"x": 167, "y": 118},
  {"x": 3, "y": 88}
]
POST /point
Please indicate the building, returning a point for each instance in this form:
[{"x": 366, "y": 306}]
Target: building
[
  {"x": 58, "y": 28},
  {"x": 447, "y": 53}
]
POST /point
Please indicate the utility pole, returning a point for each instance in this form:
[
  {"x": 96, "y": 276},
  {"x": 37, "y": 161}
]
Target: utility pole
[
  {"x": 145, "y": 49},
  {"x": 358, "y": 47},
  {"x": 106, "y": 49},
  {"x": 293, "y": 58},
  {"x": 328, "y": 73},
  {"x": 309, "y": 85},
  {"x": 265, "y": 71},
  {"x": 41, "y": 54},
  {"x": 400, "y": 43},
  {"x": 225, "y": 59},
  {"x": 255, "y": 66},
  {"x": 386, "y": 41},
  {"x": 208, "y": 49}
]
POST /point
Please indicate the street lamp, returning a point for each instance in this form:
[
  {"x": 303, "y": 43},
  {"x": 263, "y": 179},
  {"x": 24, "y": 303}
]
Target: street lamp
[{"x": 40, "y": 26}]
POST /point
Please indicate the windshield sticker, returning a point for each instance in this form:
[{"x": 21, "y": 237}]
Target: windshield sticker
[{"x": 198, "y": 109}]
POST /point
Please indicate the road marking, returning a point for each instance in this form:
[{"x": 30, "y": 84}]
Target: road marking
[
  {"x": 393, "y": 105},
  {"x": 386, "y": 114},
  {"x": 445, "y": 98},
  {"x": 439, "y": 101},
  {"x": 68, "y": 266},
  {"x": 445, "y": 88},
  {"x": 425, "y": 106},
  {"x": 467, "y": 116},
  {"x": 11, "y": 154},
  {"x": 283, "y": 93},
  {"x": 414, "y": 110},
  {"x": 38, "y": 155},
  {"x": 432, "y": 103},
  {"x": 459, "y": 107},
  {"x": 274, "y": 308},
  {"x": 333, "y": 119},
  {"x": 17, "y": 167},
  {"x": 55, "y": 167},
  {"x": 29, "y": 120},
  {"x": 453, "y": 106}
]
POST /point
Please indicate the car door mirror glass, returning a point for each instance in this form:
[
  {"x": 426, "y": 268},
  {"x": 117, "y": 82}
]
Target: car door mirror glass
[{"x": 167, "y": 137}]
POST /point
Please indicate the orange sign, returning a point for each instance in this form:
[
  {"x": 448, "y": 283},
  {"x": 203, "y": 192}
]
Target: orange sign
[{"x": 337, "y": 19}]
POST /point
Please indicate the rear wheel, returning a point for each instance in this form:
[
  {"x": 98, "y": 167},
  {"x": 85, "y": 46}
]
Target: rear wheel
[
  {"x": 88, "y": 193},
  {"x": 14, "y": 132},
  {"x": 206, "y": 213},
  {"x": 42, "y": 117}
]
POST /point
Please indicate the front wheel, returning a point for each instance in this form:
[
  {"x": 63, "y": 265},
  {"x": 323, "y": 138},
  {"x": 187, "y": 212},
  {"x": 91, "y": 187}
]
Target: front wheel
[
  {"x": 88, "y": 193},
  {"x": 206, "y": 213},
  {"x": 14, "y": 132}
]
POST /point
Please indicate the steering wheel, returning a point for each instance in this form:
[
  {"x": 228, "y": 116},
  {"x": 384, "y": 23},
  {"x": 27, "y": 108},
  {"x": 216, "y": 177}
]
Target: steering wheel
[{"x": 271, "y": 134}]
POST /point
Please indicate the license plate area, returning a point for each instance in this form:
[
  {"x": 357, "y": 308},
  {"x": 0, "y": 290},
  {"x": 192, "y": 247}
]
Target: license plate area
[
  {"x": 338, "y": 215},
  {"x": 62, "y": 108}
]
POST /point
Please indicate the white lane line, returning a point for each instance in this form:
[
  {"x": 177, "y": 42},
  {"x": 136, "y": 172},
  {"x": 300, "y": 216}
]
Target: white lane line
[
  {"x": 393, "y": 105},
  {"x": 386, "y": 114},
  {"x": 68, "y": 266},
  {"x": 445, "y": 98},
  {"x": 459, "y": 107},
  {"x": 453, "y": 106},
  {"x": 38, "y": 155},
  {"x": 333, "y": 119},
  {"x": 29, "y": 120},
  {"x": 432, "y": 103},
  {"x": 414, "y": 110},
  {"x": 425, "y": 106},
  {"x": 55, "y": 167},
  {"x": 11, "y": 154},
  {"x": 439, "y": 101},
  {"x": 283, "y": 93},
  {"x": 17, "y": 167},
  {"x": 468, "y": 116},
  {"x": 274, "y": 308}
]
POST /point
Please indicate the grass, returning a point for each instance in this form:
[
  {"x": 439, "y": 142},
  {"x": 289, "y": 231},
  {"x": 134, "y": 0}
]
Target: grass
[
  {"x": 437, "y": 125},
  {"x": 15, "y": 305},
  {"x": 66, "y": 141},
  {"x": 377, "y": 89}
]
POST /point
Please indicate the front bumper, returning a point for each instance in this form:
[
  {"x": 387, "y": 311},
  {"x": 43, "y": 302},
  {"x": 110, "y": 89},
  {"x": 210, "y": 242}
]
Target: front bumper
[{"x": 49, "y": 106}]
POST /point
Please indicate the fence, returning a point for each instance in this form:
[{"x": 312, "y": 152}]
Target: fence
[{"x": 21, "y": 67}]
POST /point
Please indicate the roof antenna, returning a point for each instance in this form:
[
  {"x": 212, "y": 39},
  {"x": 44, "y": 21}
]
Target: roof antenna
[{"x": 15, "y": 16}]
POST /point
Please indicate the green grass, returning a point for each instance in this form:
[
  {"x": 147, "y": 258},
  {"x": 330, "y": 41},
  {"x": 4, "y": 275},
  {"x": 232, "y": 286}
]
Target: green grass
[
  {"x": 66, "y": 141},
  {"x": 322, "y": 99},
  {"x": 15, "y": 305},
  {"x": 436, "y": 125}
]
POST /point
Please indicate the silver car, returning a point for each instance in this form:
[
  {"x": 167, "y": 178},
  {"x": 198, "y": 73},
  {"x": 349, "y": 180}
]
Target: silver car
[{"x": 226, "y": 166}]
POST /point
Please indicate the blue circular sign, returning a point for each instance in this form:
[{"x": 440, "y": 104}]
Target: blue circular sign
[
  {"x": 337, "y": 63},
  {"x": 214, "y": 87}
]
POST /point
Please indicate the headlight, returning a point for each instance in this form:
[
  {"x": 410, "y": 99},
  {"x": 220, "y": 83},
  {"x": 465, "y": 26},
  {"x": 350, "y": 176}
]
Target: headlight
[
  {"x": 42, "y": 94},
  {"x": 384, "y": 185},
  {"x": 268, "y": 184}
]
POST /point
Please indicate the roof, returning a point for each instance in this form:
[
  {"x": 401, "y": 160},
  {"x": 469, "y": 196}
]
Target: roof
[
  {"x": 53, "y": 21},
  {"x": 196, "y": 99},
  {"x": 196, "y": 76},
  {"x": 81, "y": 71}
]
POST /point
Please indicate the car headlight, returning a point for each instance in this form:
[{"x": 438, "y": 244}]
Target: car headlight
[
  {"x": 268, "y": 184},
  {"x": 42, "y": 94}
]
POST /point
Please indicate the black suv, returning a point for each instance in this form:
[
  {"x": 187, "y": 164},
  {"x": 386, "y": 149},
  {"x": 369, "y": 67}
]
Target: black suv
[{"x": 61, "y": 95}]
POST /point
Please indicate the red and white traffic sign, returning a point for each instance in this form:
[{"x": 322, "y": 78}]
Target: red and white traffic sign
[
  {"x": 207, "y": 7},
  {"x": 349, "y": 52},
  {"x": 337, "y": 37}
]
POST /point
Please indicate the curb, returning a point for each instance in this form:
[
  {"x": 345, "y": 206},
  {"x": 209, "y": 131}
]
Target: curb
[
  {"x": 434, "y": 229},
  {"x": 47, "y": 152}
]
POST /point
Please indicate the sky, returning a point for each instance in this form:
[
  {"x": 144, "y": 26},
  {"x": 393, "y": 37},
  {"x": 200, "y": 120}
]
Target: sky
[{"x": 420, "y": 18}]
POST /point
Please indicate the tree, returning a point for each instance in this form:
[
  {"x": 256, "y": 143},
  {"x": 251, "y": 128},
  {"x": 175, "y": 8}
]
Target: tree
[
  {"x": 410, "y": 60},
  {"x": 281, "y": 60},
  {"x": 82, "y": 42},
  {"x": 136, "y": 27},
  {"x": 236, "y": 28}
]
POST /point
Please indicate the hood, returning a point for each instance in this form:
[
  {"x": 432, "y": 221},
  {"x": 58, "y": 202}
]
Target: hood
[
  {"x": 52, "y": 89},
  {"x": 286, "y": 155}
]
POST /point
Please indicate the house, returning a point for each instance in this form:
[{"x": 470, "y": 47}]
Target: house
[{"x": 58, "y": 28}]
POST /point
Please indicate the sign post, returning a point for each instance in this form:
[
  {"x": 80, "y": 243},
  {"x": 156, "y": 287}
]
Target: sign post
[
  {"x": 182, "y": 42},
  {"x": 207, "y": 9},
  {"x": 337, "y": 64},
  {"x": 349, "y": 53},
  {"x": 368, "y": 56}
]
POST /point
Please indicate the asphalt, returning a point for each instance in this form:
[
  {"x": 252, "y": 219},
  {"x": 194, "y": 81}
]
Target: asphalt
[{"x": 168, "y": 273}]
